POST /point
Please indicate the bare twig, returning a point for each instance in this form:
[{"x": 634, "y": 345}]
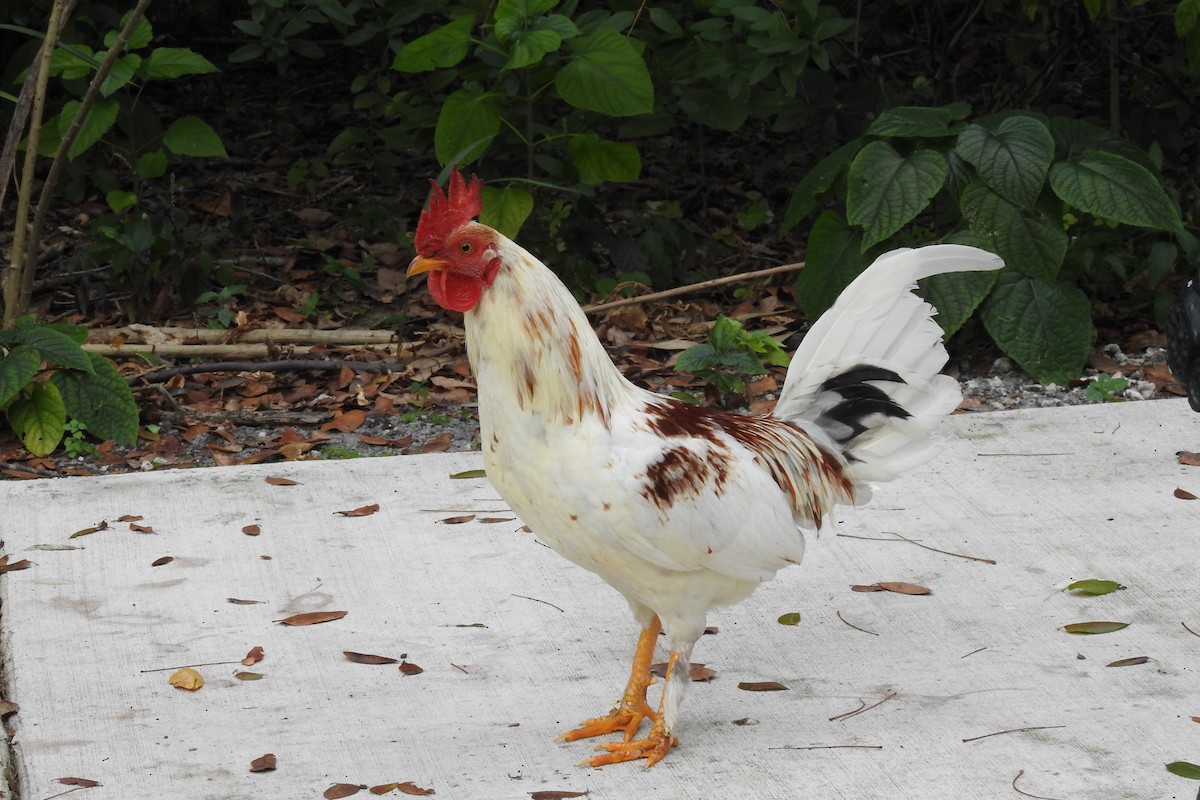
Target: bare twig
[
  {"x": 927, "y": 547},
  {"x": 1027, "y": 794},
  {"x": 298, "y": 364},
  {"x": 184, "y": 666},
  {"x": 973, "y": 652},
  {"x": 830, "y": 747},
  {"x": 12, "y": 465},
  {"x": 534, "y": 599},
  {"x": 461, "y": 669},
  {"x": 66, "y": 792},
  {"x": 695, "y": 287},
  {"x": 1189, "y": 630},
  {"x": 857, "y": 711},
  {"x": 132, "y": 334},
  {"x": 1014, "y": 730},
  {"x": 852, "y": 625}
]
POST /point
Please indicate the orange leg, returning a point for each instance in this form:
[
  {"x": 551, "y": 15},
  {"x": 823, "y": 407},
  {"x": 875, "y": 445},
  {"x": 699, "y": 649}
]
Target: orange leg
[
  {"x": 627, "y": 716},
  {"x": 654, "y": 747}
]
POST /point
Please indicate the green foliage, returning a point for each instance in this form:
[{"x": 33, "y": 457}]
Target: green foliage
[
  {"x": 1105, "y": 389},
  {"x": 49, "y": 383},
  {"x": 1064, "y": 203},
  {"x": 75, "y": 443},
  {"x": 730, "y": 357}
]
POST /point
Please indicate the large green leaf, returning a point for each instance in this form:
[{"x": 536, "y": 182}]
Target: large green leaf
[
  {"x": 466, "y": 126},
  {"x": 920, "y": 121},
  {"x": 97, "y": 122},
  {"x": 101, "y": 400},
  {"x": 599, "y": 160},
  {"x": 192, "y": 136},
  {"x": 444, "y": 47},
  {"x": 58, "y": 348},
  {"x": 505, "y": 209},
  {"x": 174, "y": 62},
  {"x": 38, "y": 418},
  {"x": 816, "y": 182},
  {"x": 139, "y": 37},
  {"x": 606, "y": 74},
  {"x": 530, "y": 47},
  {"x": 834, "y": 259},
  {"x": 1012, "y": 159},
  {"x": 511, "y": 16},
  {"x": 122, "y": 72},
  {"x": 1115, "y": 188},
  {"x": 1031, "y": 246},
  {"x": 885, "y": 189},
  {"x": 17, "y": 370},
  {"x": 1045, "y": 327}
]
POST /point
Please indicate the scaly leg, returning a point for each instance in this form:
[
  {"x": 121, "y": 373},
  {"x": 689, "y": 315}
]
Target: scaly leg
[
  {"x": 655, "y": 746},
  {"x": 633, "y": 708}
]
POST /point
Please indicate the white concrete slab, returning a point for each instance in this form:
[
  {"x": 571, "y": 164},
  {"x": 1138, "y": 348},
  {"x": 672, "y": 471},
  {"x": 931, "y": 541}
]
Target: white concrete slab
[{"x": 1051, "y": 495}]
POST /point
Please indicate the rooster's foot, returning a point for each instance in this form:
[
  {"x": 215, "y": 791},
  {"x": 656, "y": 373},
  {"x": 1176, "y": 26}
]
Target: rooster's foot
[
  {"x": 625, "y": 719},
  {"x": 653, "y": 748}
]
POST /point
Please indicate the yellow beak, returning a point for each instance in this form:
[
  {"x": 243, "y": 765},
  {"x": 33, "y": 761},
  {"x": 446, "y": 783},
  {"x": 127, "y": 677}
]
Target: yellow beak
[{"x": 422, "y": 264}]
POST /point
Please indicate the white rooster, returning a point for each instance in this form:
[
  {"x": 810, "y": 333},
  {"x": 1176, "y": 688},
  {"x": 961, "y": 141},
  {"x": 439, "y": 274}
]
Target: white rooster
[{"x": 681, "y": 508}]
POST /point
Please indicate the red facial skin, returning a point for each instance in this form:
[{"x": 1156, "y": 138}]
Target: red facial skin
[{"x": 469, "y": 263}]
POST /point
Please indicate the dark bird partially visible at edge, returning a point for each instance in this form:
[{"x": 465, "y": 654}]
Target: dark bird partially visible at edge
[{"x": 1183, "y": 340}]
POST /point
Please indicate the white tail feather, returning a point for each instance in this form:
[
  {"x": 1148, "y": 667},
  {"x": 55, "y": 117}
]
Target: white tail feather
[{"x": 878, "y": 323}]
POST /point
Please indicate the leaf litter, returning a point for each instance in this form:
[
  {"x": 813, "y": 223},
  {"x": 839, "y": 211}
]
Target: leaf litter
[
  {"x": 366, "y": 658},
  {"x": 312, "y": 618}
]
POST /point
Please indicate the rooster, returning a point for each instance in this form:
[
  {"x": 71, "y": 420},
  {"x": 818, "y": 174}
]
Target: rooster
[
  {"x": 1183, "y": 340},
  {"x": 680, "y": 508}
]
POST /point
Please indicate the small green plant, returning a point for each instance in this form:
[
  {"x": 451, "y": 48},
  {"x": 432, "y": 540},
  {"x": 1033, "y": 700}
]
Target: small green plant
[
  {"x": 1062, "y": 201},
  {"x": 336, "y": 452},
  {"x": 730, "y": 357},
  {"x": 75, "y": 443},
  {"x": 223, "y": 309},
  {"x": 1105, "y": 389},
  {"x": 48, "y": 380}
]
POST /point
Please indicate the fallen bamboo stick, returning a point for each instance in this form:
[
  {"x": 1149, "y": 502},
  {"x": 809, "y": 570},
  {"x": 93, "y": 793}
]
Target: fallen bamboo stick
[{"x": 133, "y": 334}]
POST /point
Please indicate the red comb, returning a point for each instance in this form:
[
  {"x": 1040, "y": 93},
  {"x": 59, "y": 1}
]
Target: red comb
[{"x": 448, "y": 211}]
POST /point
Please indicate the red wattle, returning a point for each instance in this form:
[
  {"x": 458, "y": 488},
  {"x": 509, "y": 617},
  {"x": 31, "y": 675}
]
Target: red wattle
[{"x": 454, "y": 292}]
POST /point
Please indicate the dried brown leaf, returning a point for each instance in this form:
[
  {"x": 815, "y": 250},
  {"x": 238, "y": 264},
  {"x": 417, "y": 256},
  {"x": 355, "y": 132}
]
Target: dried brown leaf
[
  {"x": 24, "y": 563},
  {"x": 1184, "y": 494},
  {"x": 251, "y": 530},
  {"x": 313, "y": 618},
  {"x": 437, "y": 444},
  {"x": 253, "y": 657},
  {"x": 1188, "y": 458},
  {"x": 457, "y": 520},
  {"x": 186, "y": 678},
  {"x": 8, "y": 707},
  {"x": 99, "y": 526},
  {"x": 366, "y": 658},
  {"x": 555, "y": 794},
  {"x": 346, "y": 421},
  {"x": 491, "y": 520},
  {"x": 361, "y": 511},
  {"x": 86, "y": 783},
  {"x": 762, "y": 686},
  {"x": 158, "y": 562},
  {"x": 133, "y": 526},
  {"x": 243, "y": 675},
  {"x": 899, "y": 587},
  {"x": 1129, "y": 662},
  {"x": 339, "y": 790},
  {"x": 237, "y": 601},
  {"x": 408, "y": 787},
  {"x": 264, "y": 763},
  {"x": 410, "y": 669},
  {"x": 130, "y": 518},
  {"x": 282, "y": 482}
]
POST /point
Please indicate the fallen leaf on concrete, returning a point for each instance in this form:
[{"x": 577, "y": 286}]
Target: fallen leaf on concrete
[
  {"x": 8, "y": 707},
  {"x": 282, "y": 482},
  {"x": 24, "y": 563},
  {"x": 1094, "y": 627},
  {"x": 410, "y": 669},
  {"x": 158, "y": 562},
  {"x": 242, "y": 675},
  {"x": 101, "y": 525},
  {"x": 745, "y": 721},
  {"x": 253, "y": 657},
  {"x": 313, "y": 618},
  {"x": 1184, "y": 769},
  {"x": 130, "y": 518},
  {"x": 898, "y": 587},
  {"x": 490, "y": 520},
  {"x": 555, "y": 794},
  {"x": 457, "y": 520},
  {"x": 366, "y": 658},
  {"x": 1095, "y": 586},
  {"x": 792, "y": 618},
  {"x": 186, "y": 678},
  {"x": 264, "y": 763},
  {"x": 339, "y": 790},
  {"x": 762, "y": 686},
  {"x": 1184, "y": 494},
  {"x": 470, "y": 473},
  {"x": 408, "y": 787},
  {"x": 133, "y": 526},
  {"x": 1129, "y": 662},
  {"x": 237, "y": 601},
  {"x": 1188, "y": 458},
  {"x": 86, "y": 783},
  {"x": 361, "y": 511},
  {"x": 252, "y": 530}
]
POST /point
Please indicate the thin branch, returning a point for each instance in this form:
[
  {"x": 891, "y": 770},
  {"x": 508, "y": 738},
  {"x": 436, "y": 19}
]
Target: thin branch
[
  {"x": 927, "y": 547},
  {"x": 299, "y": 364},
  {"x": 857, "y": 711},
  {"x": 852, "y": 625},
  {"x": 185, "y": 666},
  {"x": 694, "y": 287},
  {"x": 45, "y": 473},
  {"x": 1189, "y": 630},
  {"x": 1027, "y": 794},
  {"x": 830, "y": 747},
  {"x": 534, "y": 599},
  {"x": 973, "y": 652},
  {"x": 1014, "y": 730}
]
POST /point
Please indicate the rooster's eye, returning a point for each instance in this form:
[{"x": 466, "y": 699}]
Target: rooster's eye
[{"x": 465, "y": 248}]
